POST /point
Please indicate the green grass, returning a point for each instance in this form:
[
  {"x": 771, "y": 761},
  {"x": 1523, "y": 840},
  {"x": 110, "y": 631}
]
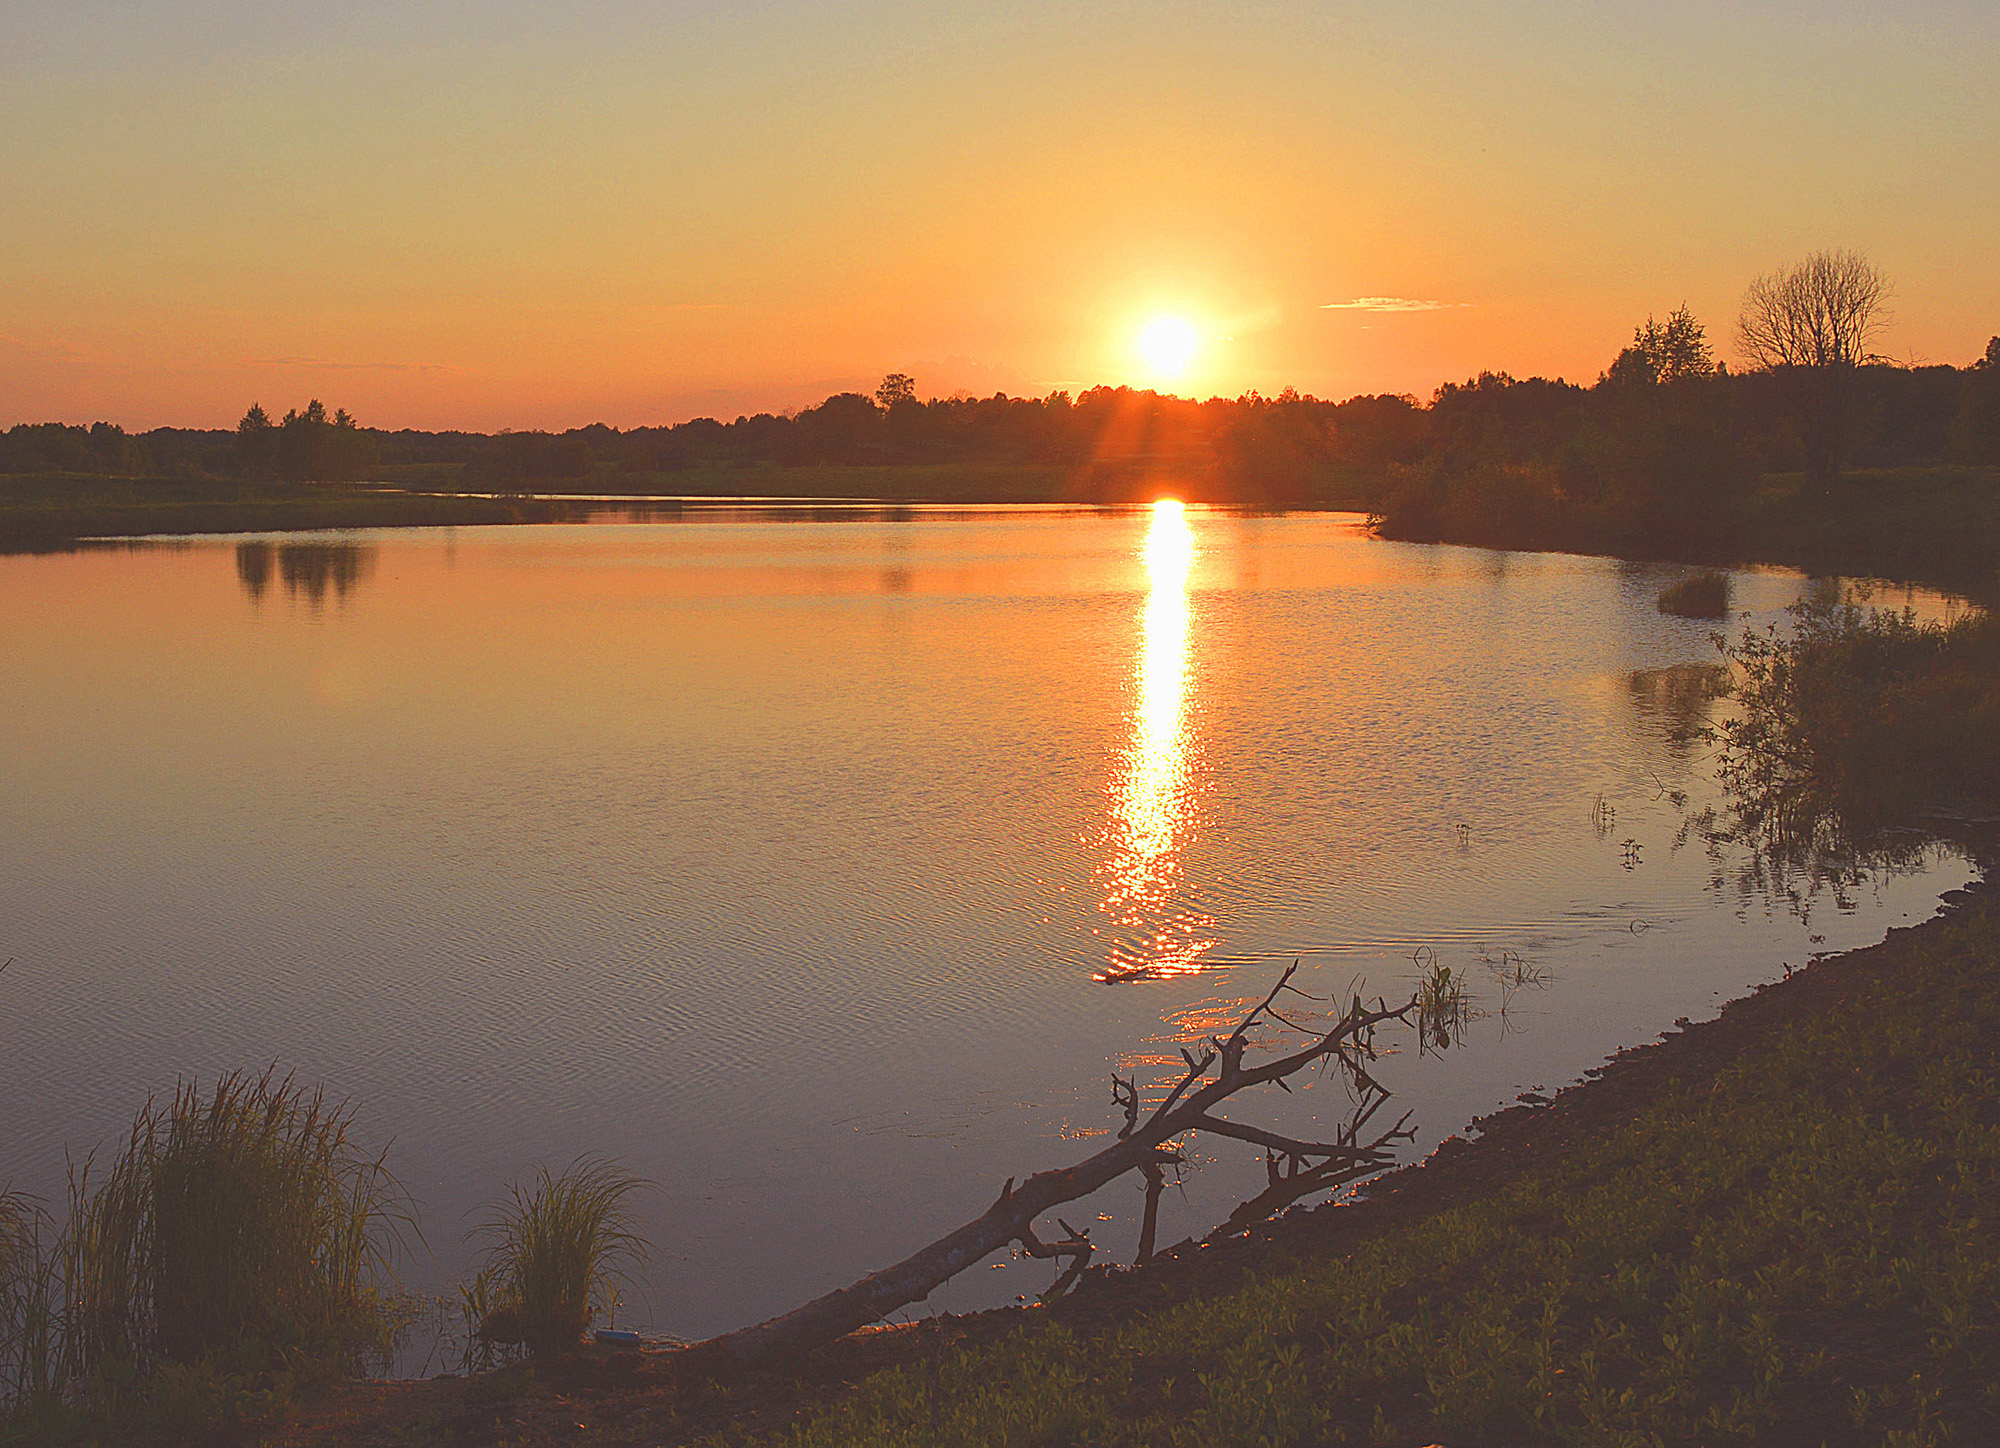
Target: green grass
[
  {"x": 1703, "y": 595},
  {"x": 1801, "y": 1249},
  {"x": 557, "y": 1246},
  {"x": 967, "y": 483},
  {"x": 26, "y": 1304}
]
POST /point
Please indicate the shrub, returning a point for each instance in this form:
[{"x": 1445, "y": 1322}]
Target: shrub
[
  {"x": 1865, "y": 713},
  {"x": 1705, "y": 595},
  {"x": 553, "y": 1262}
]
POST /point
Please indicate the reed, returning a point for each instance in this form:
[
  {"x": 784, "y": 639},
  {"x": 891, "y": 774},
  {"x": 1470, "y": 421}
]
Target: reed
[
  {"x": 242, "y": 1230},
  {"x": 557, "y": 1252},
  {"x": 29, "y": 1338},
  {"x": 1704, "y": 595}
]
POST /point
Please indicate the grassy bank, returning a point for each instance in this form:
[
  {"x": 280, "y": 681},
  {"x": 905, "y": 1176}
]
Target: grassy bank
[
  {"x": 966, "y": 483},
  {"x": 1799, "y": 1247},
  {"x": 1939, "y": 525},
  {"x": 53, "y": 511}
]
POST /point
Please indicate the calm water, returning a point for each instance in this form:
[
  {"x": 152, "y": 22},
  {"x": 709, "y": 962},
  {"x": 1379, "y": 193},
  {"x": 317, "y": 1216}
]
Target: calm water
[{"x": 822, "y": 866}]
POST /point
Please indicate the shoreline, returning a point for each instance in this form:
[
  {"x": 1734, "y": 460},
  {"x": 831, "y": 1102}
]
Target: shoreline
[
  {"x": 665, "y": 1397},
  {"x": 38, "y": 517}
]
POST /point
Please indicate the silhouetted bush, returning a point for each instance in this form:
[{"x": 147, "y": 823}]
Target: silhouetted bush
[{"x": 1865, "y": 714}]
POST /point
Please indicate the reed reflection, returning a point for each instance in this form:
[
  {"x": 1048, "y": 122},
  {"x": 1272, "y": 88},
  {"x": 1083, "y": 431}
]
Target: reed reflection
[{"x": 1152, "y": 816}]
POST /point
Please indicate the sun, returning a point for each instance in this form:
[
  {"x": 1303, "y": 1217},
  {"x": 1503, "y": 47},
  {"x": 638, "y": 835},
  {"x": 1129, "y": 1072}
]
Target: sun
[{"x": 1168, "y": 345}]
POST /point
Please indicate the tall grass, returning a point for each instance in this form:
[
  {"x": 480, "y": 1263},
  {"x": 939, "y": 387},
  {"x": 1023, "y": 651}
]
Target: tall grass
[
  {"x": 1704, "y": 595},
  {"x": 555, "y": 1257},
  {"x": 239, "y": 1233},
  {"x": 27, "y": 1303},
  {"x": 242, "y": 1227}
]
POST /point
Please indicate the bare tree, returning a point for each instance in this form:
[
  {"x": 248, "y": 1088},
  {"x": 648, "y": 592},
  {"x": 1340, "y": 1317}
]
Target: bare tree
[
  {"x": 1147, "y": 1144},
  {"x": 1814, "y": 321}
]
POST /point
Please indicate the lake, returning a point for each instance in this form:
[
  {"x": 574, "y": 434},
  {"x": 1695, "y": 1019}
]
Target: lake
[{"x": 823, "y": 864}]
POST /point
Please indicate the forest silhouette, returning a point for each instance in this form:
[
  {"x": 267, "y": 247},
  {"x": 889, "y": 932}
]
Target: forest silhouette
[
  {"x": 1649, "y": 430},
  {"x": 1666, "y": 452}
]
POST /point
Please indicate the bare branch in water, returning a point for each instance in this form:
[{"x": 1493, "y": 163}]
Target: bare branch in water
[{"x": 1148, "y": 1143}]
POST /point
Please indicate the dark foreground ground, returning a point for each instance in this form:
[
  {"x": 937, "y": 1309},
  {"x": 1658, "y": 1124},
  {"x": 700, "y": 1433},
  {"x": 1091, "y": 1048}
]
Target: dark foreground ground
[{"x": 1781, "y": 1226}]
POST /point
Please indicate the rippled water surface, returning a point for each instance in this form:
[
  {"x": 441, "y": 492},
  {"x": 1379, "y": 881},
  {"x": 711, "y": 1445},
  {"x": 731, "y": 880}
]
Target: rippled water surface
[{"x": 822, "y": 866}]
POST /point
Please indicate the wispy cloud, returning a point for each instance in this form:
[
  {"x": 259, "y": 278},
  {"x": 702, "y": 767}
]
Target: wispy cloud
[
  {"x": 325, "y": 364},
  {"x": 1388, "y": 304}
]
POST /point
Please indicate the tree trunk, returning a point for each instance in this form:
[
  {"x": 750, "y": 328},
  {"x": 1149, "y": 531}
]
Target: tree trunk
[{"x": 1010, "y": 1219}]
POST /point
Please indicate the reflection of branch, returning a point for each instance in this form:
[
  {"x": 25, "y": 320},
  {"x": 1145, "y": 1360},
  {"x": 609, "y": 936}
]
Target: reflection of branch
[{"x": 1147, "y": 1143}]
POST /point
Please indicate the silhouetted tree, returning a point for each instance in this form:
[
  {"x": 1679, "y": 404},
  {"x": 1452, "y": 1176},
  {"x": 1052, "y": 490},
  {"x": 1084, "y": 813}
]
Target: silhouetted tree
[
  {"x": 1665, "y": 352},
  {"x": 1975, "y": 428},
  {"x": 537, "y": 457},
  {"x": 256, "y": 442},
  {"x": 896, "y": 387},
  {"x": 1812, "y": 324}
]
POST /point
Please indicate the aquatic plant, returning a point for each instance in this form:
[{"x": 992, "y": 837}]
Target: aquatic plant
[
  {"x": 555, "y": 1257},
  {"x": 1703, "y": 595},
  {"x": 1862, "y": 713},
  {"x": 1444, "y": 1005}
]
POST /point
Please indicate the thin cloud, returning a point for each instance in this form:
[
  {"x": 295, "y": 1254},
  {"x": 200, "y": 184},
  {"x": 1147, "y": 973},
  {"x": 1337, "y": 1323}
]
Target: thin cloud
[
  {"x": 1388, "y": 304},
  {"x": 331, "y": 366}
]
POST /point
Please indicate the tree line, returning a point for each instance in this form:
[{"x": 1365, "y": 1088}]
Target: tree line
[{"x": 1665, "y": 432}]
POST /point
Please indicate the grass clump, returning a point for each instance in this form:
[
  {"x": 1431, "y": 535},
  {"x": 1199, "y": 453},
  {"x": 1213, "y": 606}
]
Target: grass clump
[
  {"x": 242, "y": 1228},
  {"x": 1703, "y": 595},
  {"x": 236, "y": 1247},
  {"x": 554, "y": 1263}
]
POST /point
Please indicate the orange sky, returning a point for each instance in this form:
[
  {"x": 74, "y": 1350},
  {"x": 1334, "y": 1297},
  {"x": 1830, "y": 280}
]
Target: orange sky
[{"x": 519, "y": 214}]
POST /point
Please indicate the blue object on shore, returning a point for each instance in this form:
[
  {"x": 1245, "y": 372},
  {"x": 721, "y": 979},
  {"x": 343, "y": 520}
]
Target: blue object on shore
[{"x": 617, "y": 1337}]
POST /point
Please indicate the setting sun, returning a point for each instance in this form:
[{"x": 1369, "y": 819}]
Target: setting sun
[{"x": 1168, "y": 345}]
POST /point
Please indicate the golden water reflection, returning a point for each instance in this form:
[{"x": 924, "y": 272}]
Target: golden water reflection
[{"x": 1152, "y": 815}]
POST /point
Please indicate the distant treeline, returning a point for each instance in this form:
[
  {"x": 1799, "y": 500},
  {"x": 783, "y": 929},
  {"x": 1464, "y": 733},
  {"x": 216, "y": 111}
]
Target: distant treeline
[{"x": 1658, "y": 441}]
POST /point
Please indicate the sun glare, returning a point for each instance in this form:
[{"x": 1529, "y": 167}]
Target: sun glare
[{"x": 1168, "y": 345}]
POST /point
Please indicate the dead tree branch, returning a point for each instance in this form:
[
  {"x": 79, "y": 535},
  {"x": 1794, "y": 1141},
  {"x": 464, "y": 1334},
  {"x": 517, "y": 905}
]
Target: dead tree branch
[{"x": 1148, "y": 1143}]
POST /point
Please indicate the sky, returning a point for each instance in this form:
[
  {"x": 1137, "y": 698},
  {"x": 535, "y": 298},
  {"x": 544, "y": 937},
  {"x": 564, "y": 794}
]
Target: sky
[{"x": 533, "y": 214}]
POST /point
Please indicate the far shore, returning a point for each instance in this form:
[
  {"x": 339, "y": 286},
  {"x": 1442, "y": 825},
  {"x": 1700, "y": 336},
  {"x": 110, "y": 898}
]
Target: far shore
[{"x": 1936, "y": 526}]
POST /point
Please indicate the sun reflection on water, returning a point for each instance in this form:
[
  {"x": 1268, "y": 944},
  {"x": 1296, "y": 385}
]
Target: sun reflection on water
[{"x": 1152, "y": 817}]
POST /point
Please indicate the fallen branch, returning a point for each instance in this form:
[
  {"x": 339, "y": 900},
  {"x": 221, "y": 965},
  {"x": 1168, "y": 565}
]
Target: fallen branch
[{"x": 1147, "y": 1144}]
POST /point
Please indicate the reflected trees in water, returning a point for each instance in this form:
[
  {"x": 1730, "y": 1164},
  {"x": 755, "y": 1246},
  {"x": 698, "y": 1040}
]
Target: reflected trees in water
[
  {"x": 308, "y": 570},
  {"x": 1858, "y": 745}
]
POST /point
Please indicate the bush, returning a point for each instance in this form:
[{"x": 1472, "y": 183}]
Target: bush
[
  {"x": 553, "y": 1261},
  {"x": 1705, "y": 595}
]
